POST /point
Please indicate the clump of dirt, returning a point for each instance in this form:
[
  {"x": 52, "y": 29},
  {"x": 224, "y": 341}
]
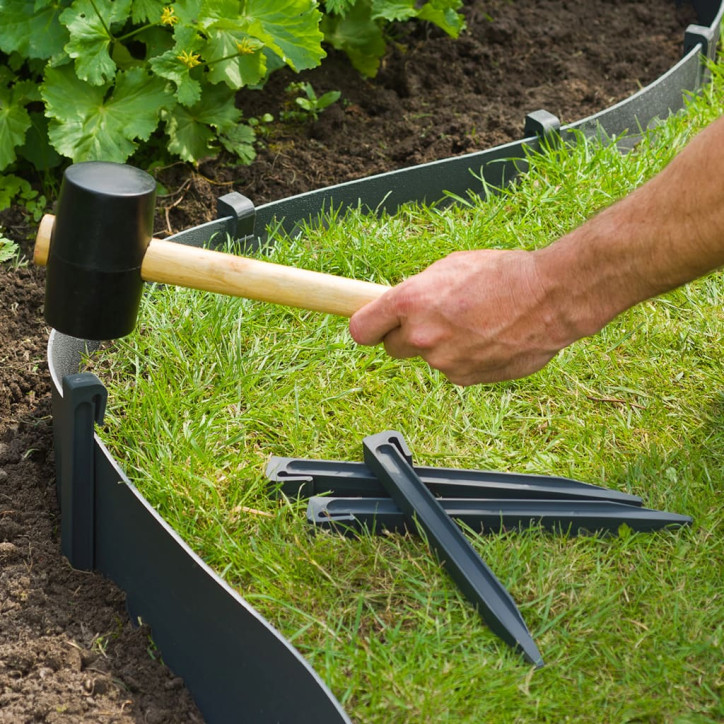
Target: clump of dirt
[{"x": 68, "y": 651}]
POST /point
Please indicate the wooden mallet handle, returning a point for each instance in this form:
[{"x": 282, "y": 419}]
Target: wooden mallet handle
[{"x": 168, "y": 262}]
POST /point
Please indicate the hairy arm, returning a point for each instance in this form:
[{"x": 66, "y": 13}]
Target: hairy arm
[{"x": 488, "y": 315}]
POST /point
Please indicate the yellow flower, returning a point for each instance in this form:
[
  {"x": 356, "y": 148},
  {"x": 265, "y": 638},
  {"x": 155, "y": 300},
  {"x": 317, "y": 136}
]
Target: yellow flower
[
  {"x": 168, "y": 17},
  {"x": 190, "y": 60},
  {"x": 245, "y": 47}
]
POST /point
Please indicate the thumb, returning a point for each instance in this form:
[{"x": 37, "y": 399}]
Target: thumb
[{"x": 371, "y": 323}]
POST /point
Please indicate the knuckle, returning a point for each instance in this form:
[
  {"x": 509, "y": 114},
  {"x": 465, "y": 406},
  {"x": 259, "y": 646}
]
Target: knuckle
[
  {"x": 405, "y": 299},
  {"x": 421, "y": 339}
]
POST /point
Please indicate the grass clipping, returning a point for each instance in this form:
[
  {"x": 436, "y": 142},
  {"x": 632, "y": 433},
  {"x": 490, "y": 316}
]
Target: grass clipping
[{"x": 208, "y": 387}]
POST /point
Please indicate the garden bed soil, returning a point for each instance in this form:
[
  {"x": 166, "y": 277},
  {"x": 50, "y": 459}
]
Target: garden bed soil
[{"x": 68, "y": 651}]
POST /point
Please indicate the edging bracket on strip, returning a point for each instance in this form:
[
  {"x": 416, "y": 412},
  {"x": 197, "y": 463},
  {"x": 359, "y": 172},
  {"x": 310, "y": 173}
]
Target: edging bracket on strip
[{"x": 82, "y": 406}]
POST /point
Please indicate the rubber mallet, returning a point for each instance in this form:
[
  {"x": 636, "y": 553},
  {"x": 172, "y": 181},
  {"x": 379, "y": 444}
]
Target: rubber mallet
[{"x": 99, "y": 250}]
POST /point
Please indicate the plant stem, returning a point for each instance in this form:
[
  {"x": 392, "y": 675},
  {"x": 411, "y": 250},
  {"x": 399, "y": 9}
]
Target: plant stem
[
  {"x": 135, "y": 32},
  {"x": 103, "y": 22},
  {"x": 208, "y": 63}
]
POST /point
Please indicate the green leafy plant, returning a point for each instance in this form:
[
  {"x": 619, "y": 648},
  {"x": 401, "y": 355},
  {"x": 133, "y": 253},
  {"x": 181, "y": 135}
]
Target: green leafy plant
[
  {"x": 360, "y": 27},
  {"x": 14, "y": 189},
  {"x": 261, "y": 124},
  {"x": 308, "y": 105},
  {"x": 95, "y": 79},
  {"x": 8, "y": 248},
  {"x": 114, "y": 72}
]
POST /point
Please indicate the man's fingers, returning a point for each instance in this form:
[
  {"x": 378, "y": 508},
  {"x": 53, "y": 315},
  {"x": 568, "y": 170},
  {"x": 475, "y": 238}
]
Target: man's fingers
[
  {"x": 397, "y": 346},
  {"x": 374, "y": 321}
]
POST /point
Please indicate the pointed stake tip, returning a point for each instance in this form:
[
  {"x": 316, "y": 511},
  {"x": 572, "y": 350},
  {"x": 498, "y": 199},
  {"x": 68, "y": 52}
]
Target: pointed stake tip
[{"x": 531, "y": 654}]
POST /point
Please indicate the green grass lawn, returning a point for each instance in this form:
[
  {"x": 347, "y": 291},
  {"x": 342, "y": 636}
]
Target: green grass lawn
[{"x": 630, "y": 626}]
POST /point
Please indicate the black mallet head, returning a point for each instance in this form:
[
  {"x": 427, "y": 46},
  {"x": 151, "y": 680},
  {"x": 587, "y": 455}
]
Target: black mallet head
[{"x": 104, "y": 222}]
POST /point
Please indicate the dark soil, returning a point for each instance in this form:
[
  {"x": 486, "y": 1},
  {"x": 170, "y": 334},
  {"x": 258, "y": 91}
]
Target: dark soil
[{"x": 68, "y": 651}]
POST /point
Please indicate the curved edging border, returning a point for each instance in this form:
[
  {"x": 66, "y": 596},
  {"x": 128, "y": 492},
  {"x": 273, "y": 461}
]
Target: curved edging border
[{"x": 234, "y": 663}]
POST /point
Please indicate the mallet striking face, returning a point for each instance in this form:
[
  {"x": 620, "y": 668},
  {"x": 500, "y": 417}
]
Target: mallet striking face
[{"x": 99, "y": 250}]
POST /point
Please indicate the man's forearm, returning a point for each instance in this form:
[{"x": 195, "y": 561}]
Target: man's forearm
[{"x": 666, "y": 233}]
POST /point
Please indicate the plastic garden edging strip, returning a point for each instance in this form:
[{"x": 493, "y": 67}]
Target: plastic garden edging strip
[
  {"x": 440, "y": 181},
  {"x": 231, "y": 659},
  {"x": 203, "y": 628}
]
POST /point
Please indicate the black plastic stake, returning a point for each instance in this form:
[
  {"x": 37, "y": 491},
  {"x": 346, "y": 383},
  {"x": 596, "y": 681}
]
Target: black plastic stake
[
  {"x": 302, "y": 477},
  {"x": 383, "y": 454},
  {"x": 570, "y": 517}
]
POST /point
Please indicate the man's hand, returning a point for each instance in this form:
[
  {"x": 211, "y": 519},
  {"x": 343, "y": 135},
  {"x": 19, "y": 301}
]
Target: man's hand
[
  {"x": 486, "y": 316},
  {"x": 477, "y": 316}
]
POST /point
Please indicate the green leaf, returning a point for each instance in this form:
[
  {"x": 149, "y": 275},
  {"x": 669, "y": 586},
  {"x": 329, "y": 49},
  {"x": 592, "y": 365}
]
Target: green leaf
[
  {"x": 122, "y": 58},
  {"x": 443, "y": 13},
  {"x": 225, "y": 63},
  {"x": 26, "y": 90},
  {"x": 193, "y": 130},
  {"x": 290, "y": 28},
  {"x": 239, "y": 140},
  {"x": 37, "y": 148},
  {"x": 10, "y": 187},
  {"x": 14, "y": 123},
  {"x": 189, "y": 11},
  {"x": 32, "y": 29},
  {"x": 211, "y": 11},
  {"x": 8, "y": 248},
  {"x": 91, "y": 38},
  {"x": 393, "y": 10},
  {"x": 168, "y": 65},
  {"x": 89, "y": 123},
  {"x": 147, "y": 11},
  {"x": 189, "y": 139},
  {"x": 327, "y": 99},
  {"x": 358, "y": 36},
  {"x": 338, "y": 7},
  {"x": 15, "y": 190},
  {"x": 157, "y": 39}
]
